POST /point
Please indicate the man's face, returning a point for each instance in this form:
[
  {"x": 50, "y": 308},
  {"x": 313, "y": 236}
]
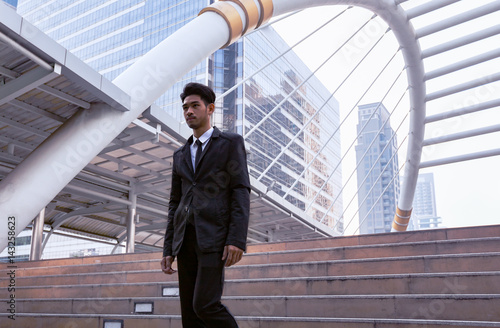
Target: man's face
[{"x": 196, "y": 113}]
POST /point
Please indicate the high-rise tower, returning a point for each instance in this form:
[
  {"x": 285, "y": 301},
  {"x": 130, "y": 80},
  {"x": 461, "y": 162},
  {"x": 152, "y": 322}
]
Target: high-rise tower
[
  {"x": 377, "y": 172},
  {"x": 424, "y": 203}
]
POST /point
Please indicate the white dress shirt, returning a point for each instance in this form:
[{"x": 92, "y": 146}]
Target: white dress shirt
[{"x": 203, "y": 139}]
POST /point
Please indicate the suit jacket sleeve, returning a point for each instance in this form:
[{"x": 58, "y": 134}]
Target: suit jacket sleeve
[
  {"x": 240, "y": 195},
  {"x": 175, "y": 197}
]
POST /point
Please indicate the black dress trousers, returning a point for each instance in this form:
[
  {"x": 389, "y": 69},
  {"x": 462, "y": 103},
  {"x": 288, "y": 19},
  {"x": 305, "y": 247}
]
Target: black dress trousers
[{"x": 201, "y": 281}]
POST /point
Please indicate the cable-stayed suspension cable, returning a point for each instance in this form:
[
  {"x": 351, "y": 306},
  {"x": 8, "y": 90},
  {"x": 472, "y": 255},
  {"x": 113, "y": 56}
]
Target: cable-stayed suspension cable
[
  {"x": 373, "y": 186},
  {"x": 275, "y": 21},
  {"x": 381, "y": 194},
  {"x": 377, "y": 159},
  {"x": 280, "y": 56},
  {"x": 365, "y": 153},
  {"x": 320, "y": 109},
  {"x": 350, "y": 112},
  {"x": 362, "y": 129},
  {"x": 345, "y": 154},
  {"x": 303, "y": 82}
]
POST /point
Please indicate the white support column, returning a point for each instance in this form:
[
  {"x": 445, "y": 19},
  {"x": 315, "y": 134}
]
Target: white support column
[
  {"x": 37, "y": 237},
  {"x": 132, "y": 210}
]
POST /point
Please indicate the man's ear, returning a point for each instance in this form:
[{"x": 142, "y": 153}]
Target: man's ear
[{"x": 211, "y": 108}]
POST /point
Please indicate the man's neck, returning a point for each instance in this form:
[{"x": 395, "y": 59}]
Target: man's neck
[{"x": 200, "y": 131}]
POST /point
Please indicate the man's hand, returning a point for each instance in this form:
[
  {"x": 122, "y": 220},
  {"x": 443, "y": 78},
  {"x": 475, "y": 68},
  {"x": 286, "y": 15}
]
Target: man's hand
[
  {"x": 166, "y": 265},
  {"x": 232, "y": 255}
]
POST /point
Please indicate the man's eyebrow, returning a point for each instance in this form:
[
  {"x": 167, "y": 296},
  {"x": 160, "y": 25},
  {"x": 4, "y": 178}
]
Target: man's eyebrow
[{"x": 191, "y": 102}]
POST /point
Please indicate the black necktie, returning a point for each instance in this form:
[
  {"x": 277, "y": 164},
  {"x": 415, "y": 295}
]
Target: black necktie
[{"x": 198, "y": 153}]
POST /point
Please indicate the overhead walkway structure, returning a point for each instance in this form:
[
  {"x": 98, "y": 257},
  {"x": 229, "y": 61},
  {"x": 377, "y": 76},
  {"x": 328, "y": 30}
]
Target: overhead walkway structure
[
  {"x": 99, "y": 136},
  {"x": 120, "y": 192}
]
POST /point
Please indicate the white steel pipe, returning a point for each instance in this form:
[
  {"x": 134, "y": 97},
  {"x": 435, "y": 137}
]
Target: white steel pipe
[
  {"x": 463, "y": 111},
  {"x": 467, "y": 39},
  {"x": 463, "y": 64},
  {"x": 37, "y": 236},
  {"x": 48, "y": 169},
  {"x": 462, "y": 135},
  {"x": 132, "y": 212},
  {"x": 461, "y": 158},
  {"x": 428, "y": 7},
  {"x": 458, "y": 19},
  {"x": 40, "y": 62},
  {"x": 463, "y": 87}
]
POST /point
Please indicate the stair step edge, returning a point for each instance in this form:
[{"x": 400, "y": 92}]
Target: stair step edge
[
  {"x": 437, "y": 242},
  {"x": 277, "y": 297},
  {"x": 318, "y": 278},
  {"x": 275, "y": 319},
  {"x": 375, "y": 259}
]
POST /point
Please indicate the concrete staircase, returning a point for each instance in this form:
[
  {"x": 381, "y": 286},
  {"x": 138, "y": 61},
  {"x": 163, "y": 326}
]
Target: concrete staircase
[{"x": 436, "y": 278}]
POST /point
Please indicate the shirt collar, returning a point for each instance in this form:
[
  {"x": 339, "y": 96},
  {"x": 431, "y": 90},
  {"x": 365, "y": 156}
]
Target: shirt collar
[{"x": 205, "y": 136}]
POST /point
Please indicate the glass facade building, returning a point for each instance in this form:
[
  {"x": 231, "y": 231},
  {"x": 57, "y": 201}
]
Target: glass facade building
[
  {"x": 424, "y": 204},
  {"x": 377, "y": 165},
  {"x": 12, "y": 3},
  {"x": 293, "y": 146}
]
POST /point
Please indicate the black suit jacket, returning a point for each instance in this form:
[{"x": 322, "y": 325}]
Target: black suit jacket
[{"x": 218, "y": 195}]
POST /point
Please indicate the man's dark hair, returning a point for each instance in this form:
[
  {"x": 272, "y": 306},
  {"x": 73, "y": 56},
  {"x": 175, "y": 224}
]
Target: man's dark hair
[{"x": 206, "y": 93}]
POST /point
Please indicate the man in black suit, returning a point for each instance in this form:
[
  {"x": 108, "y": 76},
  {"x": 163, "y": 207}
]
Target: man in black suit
[{"x": 208, "y": 212}]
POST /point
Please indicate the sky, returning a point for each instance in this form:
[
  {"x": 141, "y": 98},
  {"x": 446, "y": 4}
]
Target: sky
[{"x": 467, "y": 193}]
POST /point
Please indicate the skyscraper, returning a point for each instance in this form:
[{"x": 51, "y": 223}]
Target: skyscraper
[
  {"x": 110, "y": 35},
  {"x": 424, "y": 203},
  {"x": 13, "y": 3},
  {"x": 377, "y": 170}
]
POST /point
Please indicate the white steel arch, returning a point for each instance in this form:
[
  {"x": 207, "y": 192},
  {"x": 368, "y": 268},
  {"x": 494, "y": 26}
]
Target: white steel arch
[{"x": 54, "y": 163}]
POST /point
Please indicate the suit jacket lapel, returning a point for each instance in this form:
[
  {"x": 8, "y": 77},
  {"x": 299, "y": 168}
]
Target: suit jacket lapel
[{"x": 187, "y": 154}]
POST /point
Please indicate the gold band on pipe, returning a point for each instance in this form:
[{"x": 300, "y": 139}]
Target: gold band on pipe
[
  {"x": 401, "y": 219},
  {"x": 231, "y": 16},
  {"x": 251, "y": 13},
  {"x": 266, "y": 11}
]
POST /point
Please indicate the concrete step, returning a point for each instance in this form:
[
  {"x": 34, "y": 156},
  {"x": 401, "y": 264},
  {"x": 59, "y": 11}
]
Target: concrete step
[
  {"x": 343, "y": 241},
  {"x": 415, "y": 283},
  {"x": 423, "y": 283},
  {"x": 459, "y": 246},
  {"x": 389, "y": 265},
  {"x": 395, "y": 265},
  {"x": 382, "y": 238},
  {"x": 360, "y": 266},
  {"x": 173, "y": 321},
  {"x": 467, "y": 307}
]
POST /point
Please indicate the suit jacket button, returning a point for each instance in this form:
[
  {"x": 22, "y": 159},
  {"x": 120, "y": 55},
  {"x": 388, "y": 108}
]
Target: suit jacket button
[{"x": 194, "y": 183}]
